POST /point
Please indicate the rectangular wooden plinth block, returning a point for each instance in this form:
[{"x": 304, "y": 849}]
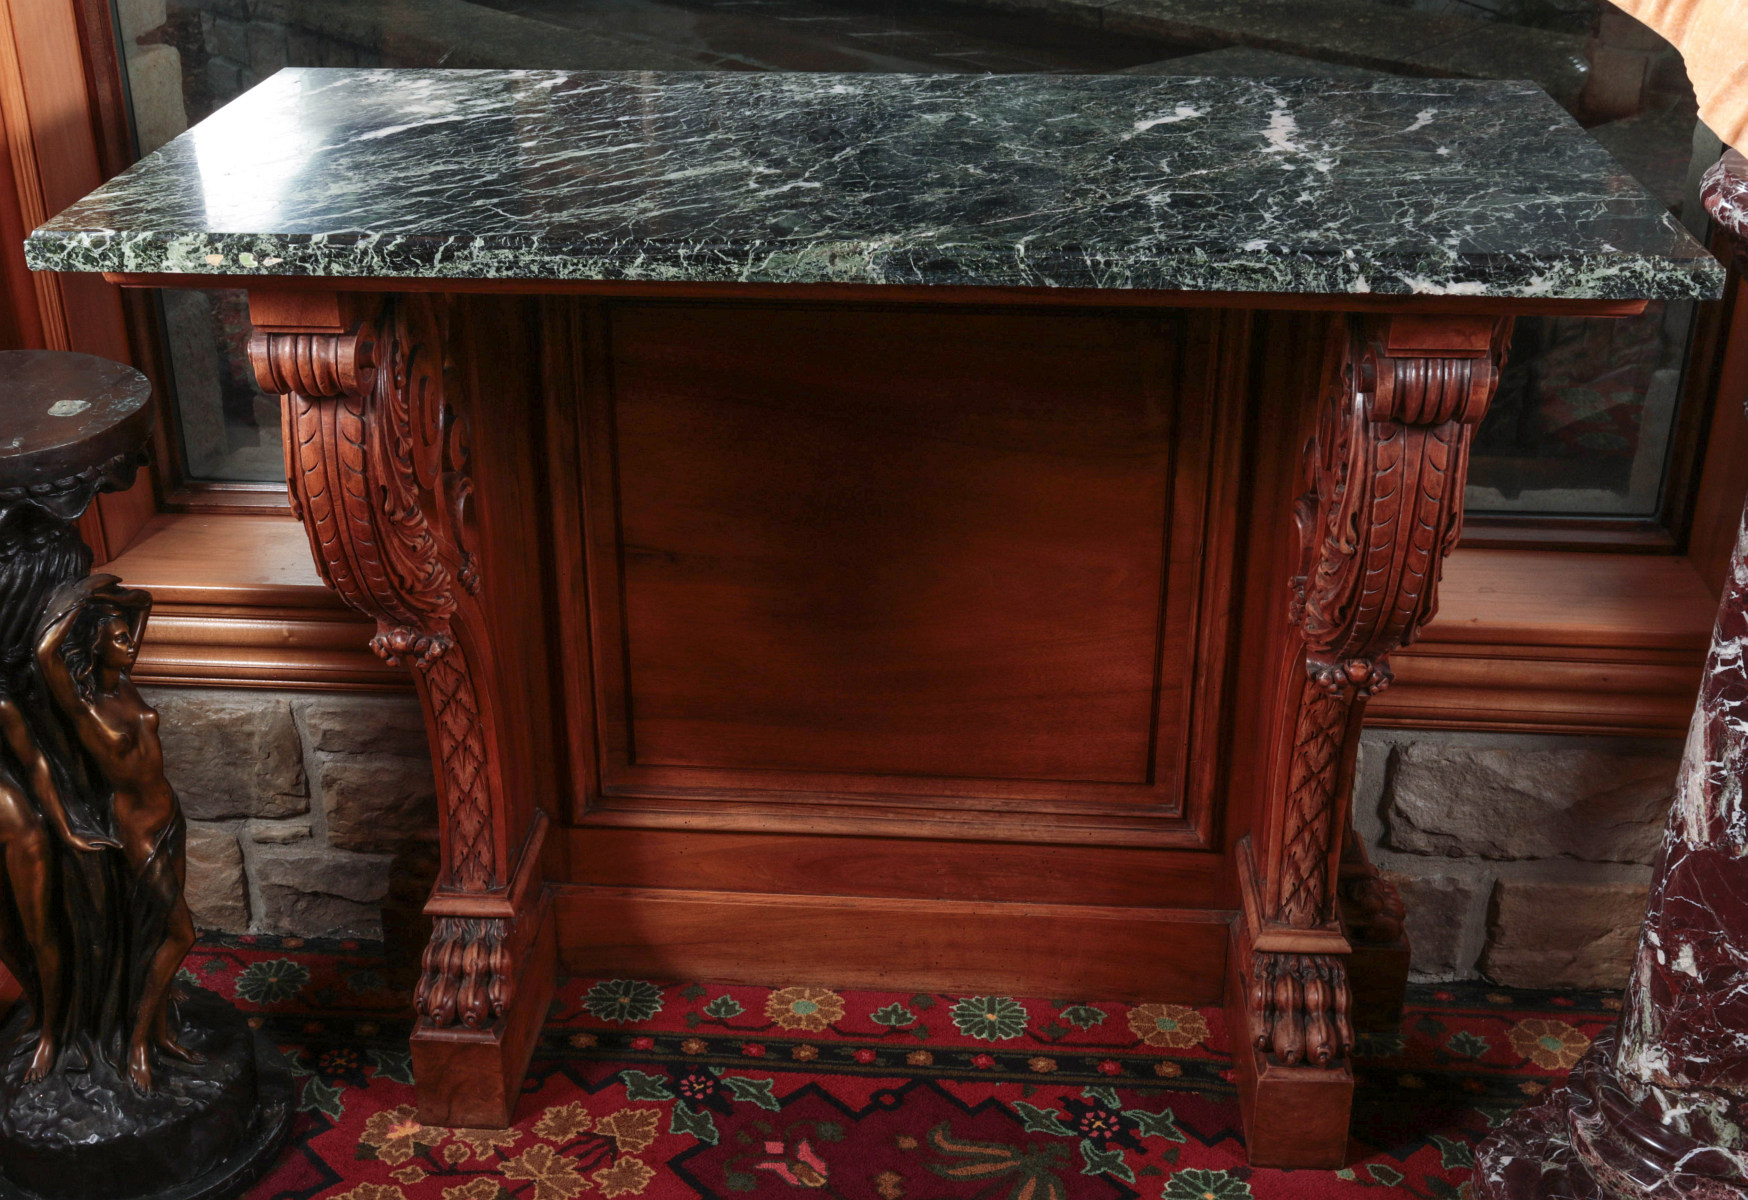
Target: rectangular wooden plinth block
[
  {"x": 1293, "y": 1116},
  {"x": 471, "y": 1079}
]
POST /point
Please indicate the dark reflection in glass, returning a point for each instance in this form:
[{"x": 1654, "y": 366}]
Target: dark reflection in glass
[{"x": 1583, "y": 421}]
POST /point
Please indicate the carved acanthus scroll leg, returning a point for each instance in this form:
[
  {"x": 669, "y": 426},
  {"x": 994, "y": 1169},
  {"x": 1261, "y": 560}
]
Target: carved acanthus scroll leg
[
  {"x": 377, "y": 468},
  {"x": 1385, "y": 476}
]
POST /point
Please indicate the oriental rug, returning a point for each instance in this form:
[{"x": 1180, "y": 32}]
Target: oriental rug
[{"x": 663, "y": 1089}]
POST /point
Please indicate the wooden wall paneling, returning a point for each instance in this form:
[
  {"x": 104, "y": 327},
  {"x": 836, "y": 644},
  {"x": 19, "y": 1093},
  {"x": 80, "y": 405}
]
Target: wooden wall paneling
[
  {"x": 238, "y": 603},
  {"x": 1557, "y": 642},
  {"x": 1220, "y": 370},
  {"x": 1540, "y": 689},
  {"x": 872, "y": 537},
  {"x": 598, "y": 507},
  {"x": 568, "y": 357},
  {"x": 828, "y": 469},
  {"x": 21, "y": 324}
]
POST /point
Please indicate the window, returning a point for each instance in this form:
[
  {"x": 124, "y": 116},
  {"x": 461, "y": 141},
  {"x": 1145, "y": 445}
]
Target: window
[{"x": 1592, "y": 417}]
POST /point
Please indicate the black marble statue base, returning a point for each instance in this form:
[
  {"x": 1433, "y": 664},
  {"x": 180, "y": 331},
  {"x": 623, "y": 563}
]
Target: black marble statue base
[
  {"x": 1591, "y": 1139},
  {"x": 203, "y": 1133}
]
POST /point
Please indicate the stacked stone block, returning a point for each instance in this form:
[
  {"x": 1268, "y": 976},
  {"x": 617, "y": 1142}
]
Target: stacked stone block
[
  {"x": 308, "y": 814},
  {"x": 1522, "y": 858}
]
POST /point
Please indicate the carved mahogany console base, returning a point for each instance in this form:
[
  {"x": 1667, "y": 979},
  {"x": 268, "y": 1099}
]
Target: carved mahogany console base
[
  {"x": 936, "y": 673},
  {"x": 381, "y": 470}
]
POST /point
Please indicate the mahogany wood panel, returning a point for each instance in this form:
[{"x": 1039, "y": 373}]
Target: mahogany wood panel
[
  {"x": 898, "y": 572},
  {"x": 896, "y": 546},
  {"x": 1138, "y": 954},
  {"x": 883, "y": 590}
]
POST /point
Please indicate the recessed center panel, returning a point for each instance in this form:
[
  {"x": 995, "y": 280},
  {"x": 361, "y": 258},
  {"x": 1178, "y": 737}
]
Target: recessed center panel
[{"x": 890, "y": 543}]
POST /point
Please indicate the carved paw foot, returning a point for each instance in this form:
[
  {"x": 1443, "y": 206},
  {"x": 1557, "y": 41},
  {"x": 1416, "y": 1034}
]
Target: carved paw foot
[
  {"x": 467, "y": 975},
  {"x": 1299, "y": 1007}
]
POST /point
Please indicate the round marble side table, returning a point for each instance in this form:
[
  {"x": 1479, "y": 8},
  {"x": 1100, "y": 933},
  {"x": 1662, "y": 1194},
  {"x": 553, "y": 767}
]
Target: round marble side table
[
  {"x": 1658, "y": 1107},
  {"x": 115, "y": 1079}
]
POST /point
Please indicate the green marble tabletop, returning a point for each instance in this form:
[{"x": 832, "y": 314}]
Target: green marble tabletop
[{"x": 1406, "y": 186}]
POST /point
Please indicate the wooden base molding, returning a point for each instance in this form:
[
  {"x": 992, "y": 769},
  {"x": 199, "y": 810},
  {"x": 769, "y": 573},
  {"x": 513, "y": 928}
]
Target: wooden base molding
[
  {"x": 242, "y": 606},
  {"x": 1137, "y": 954}
]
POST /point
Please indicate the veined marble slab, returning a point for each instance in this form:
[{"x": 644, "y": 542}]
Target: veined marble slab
[{"x": 1474, "y": 188}]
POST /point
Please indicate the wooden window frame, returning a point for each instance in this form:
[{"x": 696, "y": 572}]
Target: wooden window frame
[{"x": 1530, "y": 638}]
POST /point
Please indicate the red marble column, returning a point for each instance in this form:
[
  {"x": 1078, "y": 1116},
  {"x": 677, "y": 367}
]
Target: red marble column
[{"x": 1659, "y": 1105}]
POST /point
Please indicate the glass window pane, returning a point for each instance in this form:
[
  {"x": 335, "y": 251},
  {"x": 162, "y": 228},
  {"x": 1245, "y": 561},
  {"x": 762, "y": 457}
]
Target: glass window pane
[
  {"x": 1584, "y": 419},
  {"x": 230, "y": 428}
]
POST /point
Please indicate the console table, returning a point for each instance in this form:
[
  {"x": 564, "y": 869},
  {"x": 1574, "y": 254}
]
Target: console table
[{"x": 930, "y": 531}]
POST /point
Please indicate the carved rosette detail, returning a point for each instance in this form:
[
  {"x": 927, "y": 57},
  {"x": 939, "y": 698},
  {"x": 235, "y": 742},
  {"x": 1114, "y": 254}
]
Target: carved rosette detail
[
  {"x": 376, "y": 463},
  {"x": 1299, "y": 1008},
  {"x": 467, "y": 977}
]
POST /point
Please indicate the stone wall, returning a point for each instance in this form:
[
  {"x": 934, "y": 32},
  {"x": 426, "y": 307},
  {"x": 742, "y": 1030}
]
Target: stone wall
[
  {"x": 1521, "y": 858},
  {"x": 308, "y": 813}
]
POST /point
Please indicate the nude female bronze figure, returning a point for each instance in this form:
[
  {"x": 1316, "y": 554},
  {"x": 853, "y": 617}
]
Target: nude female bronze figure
[
  {"x": 102, "y": 1092},
  {"x": 29, "y": 866},
  {"x": 87, "y": 647}
]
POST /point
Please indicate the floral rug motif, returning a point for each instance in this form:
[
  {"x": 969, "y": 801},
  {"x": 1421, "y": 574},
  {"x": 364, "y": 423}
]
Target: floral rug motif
[{"x": 667, "y": 1090}]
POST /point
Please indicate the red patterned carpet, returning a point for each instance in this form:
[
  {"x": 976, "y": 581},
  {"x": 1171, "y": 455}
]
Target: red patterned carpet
[{"x": 666, "y": 1090}]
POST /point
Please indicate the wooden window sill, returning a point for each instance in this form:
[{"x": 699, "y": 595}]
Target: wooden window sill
[
  {"x": 1553, "y": 642},
  {"x": 1525, "y": 640},
  {"x": 239, "y": 604}
]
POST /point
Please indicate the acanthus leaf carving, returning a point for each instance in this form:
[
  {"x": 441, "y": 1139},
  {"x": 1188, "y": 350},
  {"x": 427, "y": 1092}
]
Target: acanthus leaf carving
[
  {"x": 1385, "y": 473},
  {"x": 377, "y": 468}
]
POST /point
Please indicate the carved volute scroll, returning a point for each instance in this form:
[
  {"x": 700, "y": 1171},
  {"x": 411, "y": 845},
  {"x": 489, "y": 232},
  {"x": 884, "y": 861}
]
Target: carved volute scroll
[
  {"x": 1385, "y": 474},
  {"x": 377, "y": 466}
]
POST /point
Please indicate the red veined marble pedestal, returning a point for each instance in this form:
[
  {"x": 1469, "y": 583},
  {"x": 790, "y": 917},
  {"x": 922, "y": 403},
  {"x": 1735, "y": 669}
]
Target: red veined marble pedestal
[{"x": 1658, "y": 1107}]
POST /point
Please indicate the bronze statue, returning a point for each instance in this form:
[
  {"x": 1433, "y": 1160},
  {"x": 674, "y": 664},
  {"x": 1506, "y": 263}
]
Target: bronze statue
[
  {"x": 87, "y": 646},
  {"x": 115, "y": 1081}
]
